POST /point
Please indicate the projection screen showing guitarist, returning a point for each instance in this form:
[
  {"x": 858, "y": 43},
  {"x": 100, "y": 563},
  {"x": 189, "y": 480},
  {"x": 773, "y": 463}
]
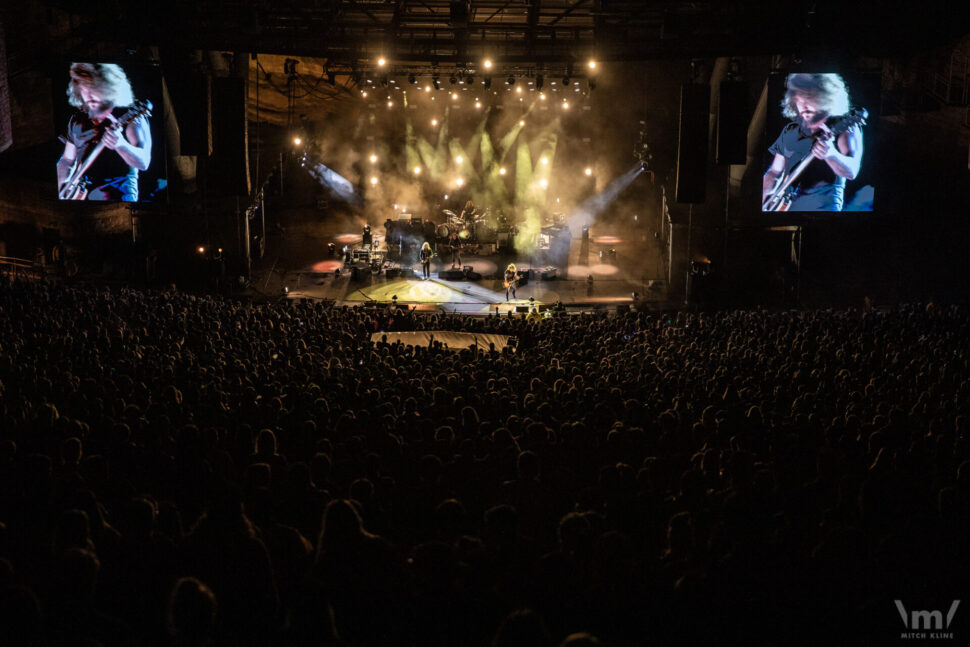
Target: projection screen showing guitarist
[
  {"x": 819, "y": 153},
  {"x": 108, "y": 142}
]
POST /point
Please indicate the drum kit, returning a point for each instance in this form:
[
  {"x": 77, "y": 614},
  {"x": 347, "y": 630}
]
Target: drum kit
[{"x": 479, "y": 229}]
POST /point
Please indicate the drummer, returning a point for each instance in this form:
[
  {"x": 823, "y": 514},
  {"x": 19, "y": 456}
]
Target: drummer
[{"x": 468, "y": 214}]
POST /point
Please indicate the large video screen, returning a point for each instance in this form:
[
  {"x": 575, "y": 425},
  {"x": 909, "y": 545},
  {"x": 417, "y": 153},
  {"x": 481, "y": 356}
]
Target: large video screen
[
  {"x": 107, "y": 116},
  {"x": 818, "y": 134}
]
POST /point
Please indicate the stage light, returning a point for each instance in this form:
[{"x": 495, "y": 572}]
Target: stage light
[
  {"x": 487, "y": 63},
  {"x": 219, "y": 250},
  {"x": 478, "y": 104},
  {"x": 522, "y": 122},
  {"x": 297, "y": 141},
  {"x": 201, "y": 249},
  {"x": 544, "y": 160},
  {"x": 459, "y": 182},
  {"x": 417, "y": 170},
  {"x": 381, "y": 62},
  {"x": 565, "y": 105},
  {"x": 454, "y": 96},
  {"x": 363, "y": 93},
  {"x": 427, "y": 88},
  {"x": 390, "y": 104},
  {"x": 373, "y": 159},
  {"x": 592, "y": 64},
  {"x": 542, "y": 95},
  {"x": 502, "y": 171},
  {"x": 589, "y": 171},
  {"x": 539, "y": 81},
  {"x": 459, "y": 159},
  {"x": 434, "y": 122},
  {"x": 544, "y": 183},
  {"x": 373, "y": 179},
  {"x": 519, "y": 89},
  {"x": 446, "y": 196},
  {"x": 510, "y": 80}
]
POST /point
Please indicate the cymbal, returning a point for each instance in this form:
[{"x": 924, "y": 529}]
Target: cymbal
[{"x": 449, "y": 213}]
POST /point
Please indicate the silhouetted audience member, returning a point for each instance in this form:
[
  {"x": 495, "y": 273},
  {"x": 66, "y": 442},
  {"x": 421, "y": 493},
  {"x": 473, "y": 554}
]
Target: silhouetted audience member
[
  {"x": 192, "y": 611},
  {"x": 362, "y": 575}
]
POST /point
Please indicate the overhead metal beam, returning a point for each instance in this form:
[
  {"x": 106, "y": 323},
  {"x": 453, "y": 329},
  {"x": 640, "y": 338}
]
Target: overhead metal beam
[{"x": 568, "y": 11}]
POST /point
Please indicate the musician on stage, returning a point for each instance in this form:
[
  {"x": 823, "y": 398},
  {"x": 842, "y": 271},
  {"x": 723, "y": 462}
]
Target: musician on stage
[
  {"x": 810, "y": 100},
  {"x": 100, "y": 92},
  {"x": 511, "y": 280},
  {"x": 456, "y": 243},
  {"x": 426, "y": 255},
  {"x": 468, "y": 214}
]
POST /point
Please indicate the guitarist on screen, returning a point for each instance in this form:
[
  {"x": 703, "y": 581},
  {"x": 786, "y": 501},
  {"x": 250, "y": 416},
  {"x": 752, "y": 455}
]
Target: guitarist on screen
[
  {"x": 97, "y": 90},
  {"x": 809, "y": 101}
]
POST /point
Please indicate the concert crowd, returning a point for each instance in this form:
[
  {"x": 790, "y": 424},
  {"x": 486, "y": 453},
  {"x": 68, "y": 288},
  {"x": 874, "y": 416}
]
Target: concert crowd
[{"x": 197, "y": 470}]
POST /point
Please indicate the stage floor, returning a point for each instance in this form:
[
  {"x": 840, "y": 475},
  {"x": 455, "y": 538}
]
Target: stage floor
[{"x": 298, "y": 265}]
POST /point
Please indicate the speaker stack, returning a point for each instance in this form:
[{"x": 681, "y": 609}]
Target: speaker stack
[
  {"x": 732, "y": 123},
  {"x": 695, "y": 100}
]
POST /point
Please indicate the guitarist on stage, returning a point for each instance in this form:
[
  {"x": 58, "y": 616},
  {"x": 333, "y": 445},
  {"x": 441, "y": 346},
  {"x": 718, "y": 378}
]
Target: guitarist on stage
[
  {"x": 426, "y": 255},
  {"x": 809, "y": 101},
  {"x": 97, "y": 90},
  {"x": 511, "y": 280}
]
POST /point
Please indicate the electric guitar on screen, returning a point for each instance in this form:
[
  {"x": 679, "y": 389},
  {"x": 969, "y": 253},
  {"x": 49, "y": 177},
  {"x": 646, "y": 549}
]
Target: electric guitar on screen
[
  {"x": 75, "y": 187},
  {"x": 782, "y": 194}
]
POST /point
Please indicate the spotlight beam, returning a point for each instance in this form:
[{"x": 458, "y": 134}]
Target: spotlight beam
[
  {"x": 587, "y": 212},
  {"x": 337, "y": 184}
]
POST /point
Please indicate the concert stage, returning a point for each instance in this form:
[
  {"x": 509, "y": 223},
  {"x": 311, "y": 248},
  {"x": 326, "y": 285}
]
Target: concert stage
[{"x": 620, "y": 264}]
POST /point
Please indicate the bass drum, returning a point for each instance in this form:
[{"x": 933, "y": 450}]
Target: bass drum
[{"x": 443, "y": 231}]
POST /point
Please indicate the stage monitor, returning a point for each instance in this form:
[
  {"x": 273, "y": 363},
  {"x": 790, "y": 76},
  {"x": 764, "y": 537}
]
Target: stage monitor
[
  {"x": 818, "y": 140},
  {"x": 107, "y": 115}
]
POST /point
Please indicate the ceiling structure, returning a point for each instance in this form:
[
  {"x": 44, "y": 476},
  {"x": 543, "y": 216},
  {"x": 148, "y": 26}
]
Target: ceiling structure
[
  {"x": 519, "y": 32},
  {"x": 337, "y": 43}
]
